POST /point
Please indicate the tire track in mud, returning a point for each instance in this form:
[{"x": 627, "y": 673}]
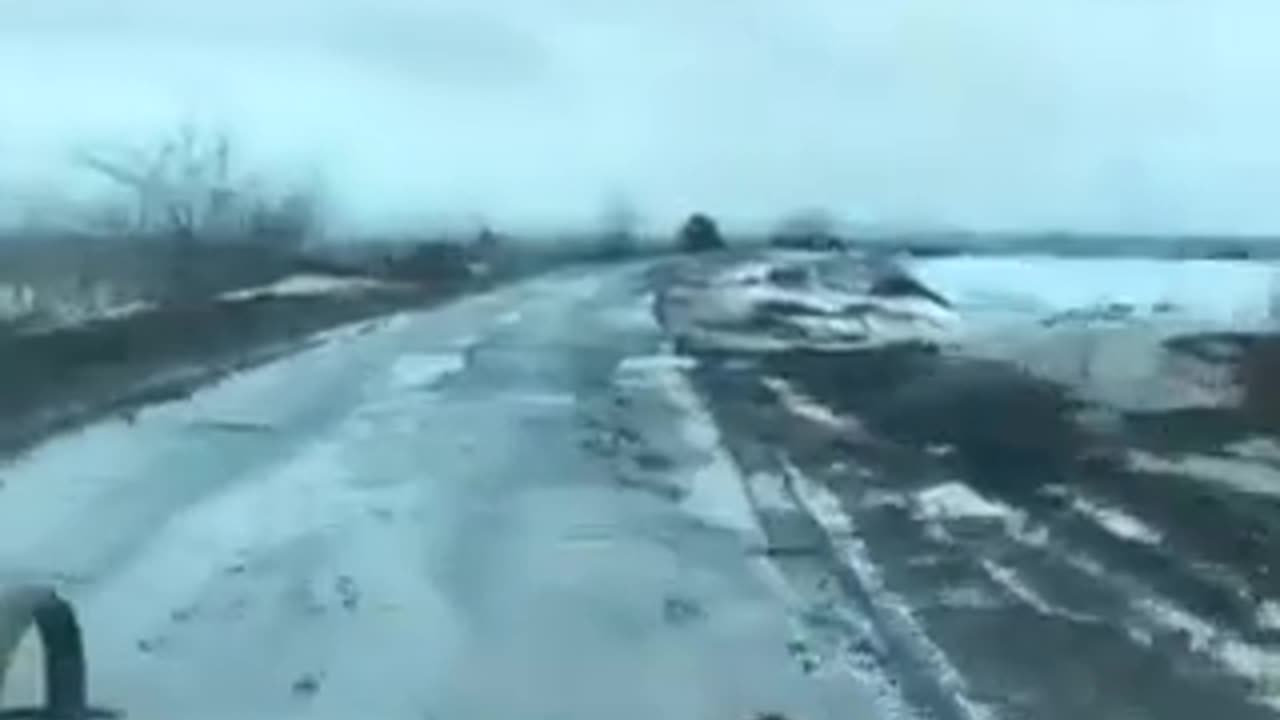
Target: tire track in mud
[
  {"x": 1036, "y": 573},
  {"x": 856, "y": 623},
  {"x": 1057, "y": 581}
]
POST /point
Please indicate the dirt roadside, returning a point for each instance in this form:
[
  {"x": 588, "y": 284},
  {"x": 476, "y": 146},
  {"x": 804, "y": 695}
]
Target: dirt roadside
[{"x": 987, "y": 502}]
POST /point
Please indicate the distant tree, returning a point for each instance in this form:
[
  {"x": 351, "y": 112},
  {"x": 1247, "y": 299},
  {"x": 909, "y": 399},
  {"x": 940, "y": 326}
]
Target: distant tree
[
  {"x": 700, "y": 234},
  {"x": 187, "y": 188},
  {"x": 489, "y": 252},
  {"x": 439, "y": 263},
  {"x": 618, "y": 233}
]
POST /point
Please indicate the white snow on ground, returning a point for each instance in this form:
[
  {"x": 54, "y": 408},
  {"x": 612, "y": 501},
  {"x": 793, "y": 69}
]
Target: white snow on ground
[
  {"x": 1268, "y": 615},
  {"x": 1008, "y": 579},
  {"x": 16, "y": 300},
  {"x": 511, "y": 317},
  {"x": 721, "y": 496},
  {"x": 417, "y": 372},
  {"x": 1125, "y": 367},
  {"x": 1116, "y": 521},
  {"x": 1258, "y": 449},
  {"x": 824, "y": 507},
  {"x": 1258, "y": 665},
  {"x": 769, "y": 492},
  {"x": 23, "y": 304},
  {"x": 715, "y": 492},
  {"x": 1220, "y": 292},
  {"x": 803, "y": 406},
  {"x": 307, "y": 285},
  {"x": 1098, "y": 325},
  {"x": 1244, "y": 475},
  {"x": 639, "y": 364},
  {"x": 824, "y": 302},
  {"x": 955, "y": 500}
]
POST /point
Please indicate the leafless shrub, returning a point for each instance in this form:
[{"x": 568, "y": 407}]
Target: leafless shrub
[{"x": 196, "y": 222}]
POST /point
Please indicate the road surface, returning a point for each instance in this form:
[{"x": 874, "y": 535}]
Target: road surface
[
  {"x": 526, "y": 505},
  {"x": 428, "y": 516}
]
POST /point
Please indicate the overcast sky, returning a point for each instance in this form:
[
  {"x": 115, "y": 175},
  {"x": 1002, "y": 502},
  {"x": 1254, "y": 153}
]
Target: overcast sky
[{"x": 1144, "y": 115}]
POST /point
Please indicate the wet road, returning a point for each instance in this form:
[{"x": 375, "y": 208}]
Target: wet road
[{"x": 429, "y": 516}]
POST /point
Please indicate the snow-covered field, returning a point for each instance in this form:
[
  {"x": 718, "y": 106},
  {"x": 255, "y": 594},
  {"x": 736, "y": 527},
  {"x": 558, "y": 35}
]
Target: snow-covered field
[
  {"x": 1210, "y": 292},
  {"x": 1099, "y": 326},
  {"x": 1102, "y": 326}
]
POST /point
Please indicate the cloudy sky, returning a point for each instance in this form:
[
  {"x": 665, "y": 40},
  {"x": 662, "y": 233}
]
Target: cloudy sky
[{"x": 1138, "y": 115}]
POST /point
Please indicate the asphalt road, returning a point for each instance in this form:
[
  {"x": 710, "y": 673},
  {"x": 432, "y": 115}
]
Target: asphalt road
[{"x": 439, "y": 515}]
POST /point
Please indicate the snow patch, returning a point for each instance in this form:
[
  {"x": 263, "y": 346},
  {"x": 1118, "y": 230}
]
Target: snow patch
[
  {"x": 1258, "y": 449},
  {"x": 822, "y": 302},
  {"x": 656, "y": 363},
  {"x": 824, "y": 506},
  {"x": 954, "y": 501},
  {"x": 1255, "y": 478},
  {"x": 769, "y": 492},
  {"x": 542, "y": 399},
  {"x": 411, "y": 372},
  {"x": 716, "y": 492},
  {"x": 1268, "y": 615},
  {"x": 511, "y": 317},
  {"x": 1008, "y": 579},
  {"x": 1100, "y": 326},
  {"x": 1042, "y": 285},
  {"x": 1260, "y": 666},
  {"x": 878, "y": 499},
  {"x": 806, "y": 407},
  {"x": 305, "y": 285},
  {"x": 1117, "y": 522}
]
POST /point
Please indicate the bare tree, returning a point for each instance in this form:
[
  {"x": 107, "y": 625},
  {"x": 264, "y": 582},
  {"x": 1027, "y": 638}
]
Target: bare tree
[
  {"x": 220, "y": 226},
  {"x": 187, "y": 188}
]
